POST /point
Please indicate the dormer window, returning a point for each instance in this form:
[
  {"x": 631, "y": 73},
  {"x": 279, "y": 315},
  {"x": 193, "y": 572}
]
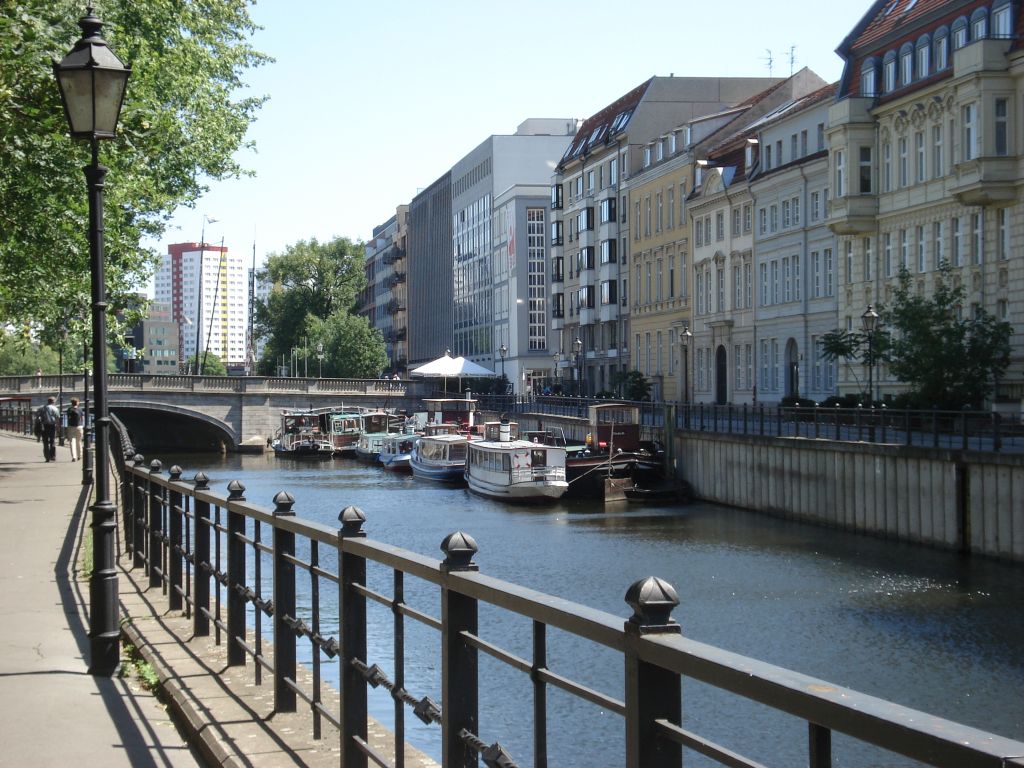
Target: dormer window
[
  {"x": 647, "y": 156},
  {"x": 979, "y": 24},
  {"x": 659, "y": 150},
  {"x": 941, "y": 46},
  {"x": 959, "y": 33},
  {"x": 906, "y": 64},
  {"x": 924, "y": 56},
  {"x": 748, "y": 157},
  {"x": 672, "y": 143},
  {"x": 889, "y": 72},
  {"x": 869, "y": 78},
  {"x": 1001, "y": 26}
]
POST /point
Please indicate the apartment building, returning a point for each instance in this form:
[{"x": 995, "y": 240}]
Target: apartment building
[
  {"x": 733, "y": 361},
  {"x": 796, "y": 270},
  {"x": 589, "y": 236},
  {"x": 384, "y": 299},
  {"x": 206, "y": 287},
  {"x": 925, "y": 145}
]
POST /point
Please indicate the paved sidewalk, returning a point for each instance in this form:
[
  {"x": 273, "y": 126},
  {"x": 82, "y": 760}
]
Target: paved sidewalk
[{"x": 52, "y": 712}]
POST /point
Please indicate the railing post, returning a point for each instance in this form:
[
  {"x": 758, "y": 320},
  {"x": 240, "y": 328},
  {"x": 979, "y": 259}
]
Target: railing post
[
  {"x": 236, "y": 576},
  {"x": 819, "y": 746},
  {"x": 139, "y": 516},
  {"x": 127, "y": 499},
  {"x": 352, "y": 610},
  {"x": 284, "y": 606},
  {"x": 652, "y": 693},
  {"x": 459, "y": 673},
  {"x": 174, "y": 543},
  {"x": 155, "y": 561},
  {"x": 201, "y": 567}
]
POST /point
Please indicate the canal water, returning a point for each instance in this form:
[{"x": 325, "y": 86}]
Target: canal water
[{"x": 923, "y": 628}]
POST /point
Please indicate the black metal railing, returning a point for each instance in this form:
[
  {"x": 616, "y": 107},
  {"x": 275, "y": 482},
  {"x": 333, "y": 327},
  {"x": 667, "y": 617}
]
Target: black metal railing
[
  {"x": 233, "y": 566},
  {"x": 16, "y": 415},
  {"x": 954, "y": 430}
]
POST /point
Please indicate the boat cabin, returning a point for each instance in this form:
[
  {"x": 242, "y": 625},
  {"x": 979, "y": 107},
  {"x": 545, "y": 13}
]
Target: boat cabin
[{"x": 451, "y": 410}]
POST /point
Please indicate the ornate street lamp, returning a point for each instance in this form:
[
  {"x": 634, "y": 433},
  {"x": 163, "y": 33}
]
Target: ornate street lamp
[
  {"x": 685, "y": 337},
  {"x": 869, "y": 322},
  {"x": 92, "y": 83},
  {"x": 554, "y": 370},
  {"x": 503, "y": 350},
  {"x": 577, "y": 348},
  {"x": 320, "y": 361}
]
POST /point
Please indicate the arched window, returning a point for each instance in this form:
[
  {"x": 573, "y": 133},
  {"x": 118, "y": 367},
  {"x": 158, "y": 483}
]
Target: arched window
[
  {"x": 906, "y": 64},
  {"x": 889, "y": 72},
  {"x": 979, "y": 24},
  {"x": 941, "y": 48},
  {"x": 1002, "y": 19},
  {"x": 924, "y": 56},
  {"x": 869, "y": 77},
  {"x": 959, "y": 33}
]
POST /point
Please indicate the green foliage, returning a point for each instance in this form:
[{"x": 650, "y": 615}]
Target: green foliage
[
  {"x": 183, "y": 121},
  {"x": 950, "y": 357},
  {"x": 315, "y": 286},
  {"x": 632, "y": 384},
  {"x": 212, "y": 365}
]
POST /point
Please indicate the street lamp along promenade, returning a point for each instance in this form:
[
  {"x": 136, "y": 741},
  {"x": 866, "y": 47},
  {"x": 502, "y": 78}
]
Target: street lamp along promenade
[
  {"x": 685, "y": 337},
  {"x": 503, "y": 350},
  {"x": 92, "y": 82},
  {"x": 577, "y": 348},
  {"x": 869, "y": 322}
]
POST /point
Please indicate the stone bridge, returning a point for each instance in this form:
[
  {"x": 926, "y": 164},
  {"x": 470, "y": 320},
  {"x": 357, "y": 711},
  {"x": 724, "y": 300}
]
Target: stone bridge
[{"x": 188, "y": 413}]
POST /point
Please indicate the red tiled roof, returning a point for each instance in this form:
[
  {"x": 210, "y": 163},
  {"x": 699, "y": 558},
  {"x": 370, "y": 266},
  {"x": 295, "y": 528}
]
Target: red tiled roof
[{"x": 895, "y": 14}]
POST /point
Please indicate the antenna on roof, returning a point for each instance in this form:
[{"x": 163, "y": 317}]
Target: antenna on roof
[
  {"x": 792, "y": 59},
  {"x": 768, "y": 59}
]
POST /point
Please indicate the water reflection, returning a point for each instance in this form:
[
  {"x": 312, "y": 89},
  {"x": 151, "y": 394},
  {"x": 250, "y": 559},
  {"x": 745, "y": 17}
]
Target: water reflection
[{"x": 927, "y": 629}]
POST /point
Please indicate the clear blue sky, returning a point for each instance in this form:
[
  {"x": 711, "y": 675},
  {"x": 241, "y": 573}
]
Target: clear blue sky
[{"x": 370, "y": 102}]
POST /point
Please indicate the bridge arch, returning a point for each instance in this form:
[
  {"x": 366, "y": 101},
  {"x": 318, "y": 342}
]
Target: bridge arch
[{"x": 163, "y": 426}]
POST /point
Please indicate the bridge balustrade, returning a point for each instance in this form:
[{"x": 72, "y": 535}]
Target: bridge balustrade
[{"x": 232, "y": 565}]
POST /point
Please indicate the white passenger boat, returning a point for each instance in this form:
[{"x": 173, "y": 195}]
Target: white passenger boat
[
  {"x": 376, "y": 426},
  {"x": 396, "y": 451},
  {"x": 440, "y": 455},
  {"x": 503, "y": 467}
]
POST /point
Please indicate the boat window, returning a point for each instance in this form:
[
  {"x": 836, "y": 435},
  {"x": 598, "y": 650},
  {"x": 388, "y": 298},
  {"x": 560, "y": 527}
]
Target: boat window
[
  {"x": 506, "y": 462},
  {"x": 539, "y": 458}
]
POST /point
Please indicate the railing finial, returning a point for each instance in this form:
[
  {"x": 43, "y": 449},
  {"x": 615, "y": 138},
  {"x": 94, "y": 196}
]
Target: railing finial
[
  {"x": 352, "y": 519},
  {"x": 236, "y": 491},
  {"x": 202, "y": 481},
  {"x": 652, "y": 600},
  {"x": 155, "y": 466},
  {"x": 459, "y": 549},
  {"x": 283, "y": 503},
  {"x": 175, "y": 472}
]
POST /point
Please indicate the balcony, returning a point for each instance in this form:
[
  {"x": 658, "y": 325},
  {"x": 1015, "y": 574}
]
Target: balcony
[
  {"x": 396, "y": 279},
  {"x": 394, "y": 306},
  {"x": 853, "y": 214},
  {"x": 985, "y": 181}
]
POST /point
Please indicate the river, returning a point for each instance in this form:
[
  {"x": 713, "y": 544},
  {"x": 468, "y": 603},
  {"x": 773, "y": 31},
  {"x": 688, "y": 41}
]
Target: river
[{"x": 924, "y": 628}]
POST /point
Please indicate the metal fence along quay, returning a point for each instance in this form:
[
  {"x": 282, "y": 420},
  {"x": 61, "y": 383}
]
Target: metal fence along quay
[{"x": 235, "y": 569}]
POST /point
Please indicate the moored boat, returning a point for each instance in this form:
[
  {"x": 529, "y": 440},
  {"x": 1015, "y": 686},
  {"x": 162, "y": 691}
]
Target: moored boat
[
  {"x": 343, "y": 429},
  {"x": 440, "y": 457},
  {"x": 300, "y": 437},
  {"x": 501, "y": 466},
  {"x": 376, "y": 426},
  {"x": 396, "y": 451}
]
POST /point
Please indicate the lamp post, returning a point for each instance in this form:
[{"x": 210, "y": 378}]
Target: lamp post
[
  {"x": 554, "y": 370},
  {"x": 86, "y": 428},
  {"x": 60, "y": 380},
  {"x": 684, "y": 340},
  {"x": 92, "y": 83},
  {"x": 503, "y": 350},
  {"x": 869, "y": 321},
  {"x": 320, "y": 361},
  {"x": 577, "y": 348}
]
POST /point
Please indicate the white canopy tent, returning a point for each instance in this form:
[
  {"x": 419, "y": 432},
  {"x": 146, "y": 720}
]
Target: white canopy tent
[{"x": 448, "y": 367}]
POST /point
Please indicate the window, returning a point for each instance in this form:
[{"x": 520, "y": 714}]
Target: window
[
  {"x": 869, "y": 260},
  {"x": 556, "y": 197},
  {"x": 590, "y": 182},
  {"x": 613, "y": 171},
  {"x": 906, "y": 64},
  {"x": 767, "y": 157},
  {"x": 720, "y": 225},
  {"x": 795, "y": 204},
  {"x": 889, "y": 72},
  {"x": 959, "y": 33},
  {"x": 608, "y": 292},
  {"x": 647, "y": 216},
  {"x": 774, "y": 297},
  {"x": 978, "y": 236},
  {"x": 762, "y": 221},
  {"x": 919, "y": 168},
  {"x": 698, "y": 231},
  {"x": 659, "y": 281},
  {"x": 803, "y": 143},
  {"x": 921, "y": 250},
  {"x": 556, "y": 232},
  {"x": 849, "y": 261},
  {"x": 1003, "y": 216},
  {"x": 763, "y": 283},
  {"x": 815, "y": 206},
  {"x": 660, "y": 150},
  {"x": 585, "y": 258},
  {"x": 969, "y": 114},
  {"x": 607, "y": 208},
  {"x": 787, "y": 277},
  {"x": 924, "y": 51},
  {"x": 830, "y": 272},
  {"x": 737, "y": 288},
  {"x": 958, "y": 257},
  {"x": 979, "y": 24},
  {"x": 786, "y": 220},
  {"x": 869, "y": 78},
  {"x": 747, "y": 211},
  {"x": 936, "y": 151},
  {"x": 736, "y": 221},
  {"x": 793, "y": 148},
  {"x": 659, "y": 221},
  {"x": 671, "y": 205},
  {"x": 941, "y": 46},
  {"x": 647, "y": 157},
  {"x": 748, "y": 286},
  {"x": 720, "y": 290},
  {"x": 903, "y": 161},
  {"x": 815, "y": 274},
  {"x": 609, "y": 251},
  {"x": 840, "y": 165},
  {"x": 1001, "y": 21},
  {"x": 937, "y": 244},
  {"x": 1002, "y": 147},
  {"x": 865, "y": 171},
  {"x": 821, "y": 136},
  {"x": 887, "y": 167},
  {"x": 773, "y": 218},
  {"x": 671, "y": 276},
  {"x": 887, "y": 253},
  {"x": 904, "y": 250},
  {"x": 796, "y": 278}
]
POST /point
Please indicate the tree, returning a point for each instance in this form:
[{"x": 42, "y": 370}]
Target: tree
[
  {"x": 352, "y": 348},
  {"x": 212, "y": 365},
  {"x": 949, "y": 357},
  {"x": 843, "y": 345},
  {"x": 183, "y": 121},
  {"x": 633, "y": 385},
  {"x": 314, "y": 292}
]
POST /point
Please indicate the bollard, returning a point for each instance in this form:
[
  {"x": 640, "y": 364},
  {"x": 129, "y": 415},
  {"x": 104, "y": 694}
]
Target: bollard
[
  {"x": 236, "y": 576},
  {"x": 201, "y": 559},
  {"x": 459, "y": 672},
  {"x": 174, "y": 548},
  {"x": 155, "y": 509},
  {"x": 284, "y": 606},
  {"x": 352, "y": 610},
  {"x": 652, "y": 693}
]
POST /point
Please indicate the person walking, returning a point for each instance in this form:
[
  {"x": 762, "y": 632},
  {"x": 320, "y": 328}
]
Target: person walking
[
  {"x": 49, "y": 416},
  {"x": 74, "y": 431}
]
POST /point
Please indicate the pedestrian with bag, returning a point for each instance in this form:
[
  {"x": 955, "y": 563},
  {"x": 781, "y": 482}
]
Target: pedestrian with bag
[
  {"x": 74, "y": 430},
  {"x": 48, "y": 418}
]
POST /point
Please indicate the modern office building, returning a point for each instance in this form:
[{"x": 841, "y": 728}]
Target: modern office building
[
  {"x": 157, "y": 338},
  {"x": 925, "y": 156},
  {"x": 207, "y": 290},
  {"x": 429, "y": 260}
]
